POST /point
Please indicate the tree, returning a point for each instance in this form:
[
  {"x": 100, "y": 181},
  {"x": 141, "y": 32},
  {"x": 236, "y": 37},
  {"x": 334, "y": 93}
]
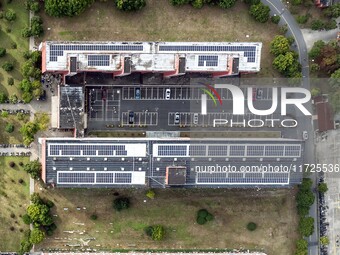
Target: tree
[
  {"x": 226, "y": 4},
  {"x": 333, "y": 11},
  {"x": 302, "y": 19},
  {"x": 37, "y": 93},
  {"x": 315, "y": 92},
  {"x": 322, "y": 187},
  {"x": 279, "y": 45},
  {"x": 306, "y": 226},
  {"x": 283, "y": 61},
  {"x": 27, "y": 97},
  {"x": 36, "y": 26},
  {"x": 198, "y": 4},
  {"x": 8, "y": 66},
  {"x": 324, "y": 240},
  {"x": 284, "y": 29},
  {"x": 10, "y": 81},
  {"x": 317, "y": 25},
  {"x": 4, "y": 114},
  {"x": 37, "y": 236},
  {"x": 275, "y": 19},
  {"x": 3, "y": 97},
  {"x": 26, "y": 219},
  {"x": 36, "y": 199},
  {"x": 179, "y": 2},
  {"x": 26, "y": 32},
  {"x": 334, "y": 81},
  {"x": 2, "y": 52},
  {"x": 158, "y": 233},
  {"x": 314, "y": 67},
  {"x": 328, "y": 59},
  {"x": 9, "y": 128},
  {"x": 25, "y": 85},
  {"x": 13, "y": 98},
  {"x": 316, "y": 49},
  {"x": 57, "y": 8},
  {"x": 251, "y": 226},
  {"x": 329, "y": 25},
  {"x": 121, "y": 203},
  {"x": 10, "y": 15},
  {"x": 33, "y": 168},
  {"x": 94, "y": 217},
  {"x": 301, "y": 247},
  {"x": 130, "y": 5},
  {"x": 260, "y": 12}
]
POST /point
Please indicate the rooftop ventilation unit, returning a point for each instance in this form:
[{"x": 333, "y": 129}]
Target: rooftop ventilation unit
[
  {"x": 105, "y": 168},
  {"x": 71, "y": 168},
  {"x": 105, "y": 159}
]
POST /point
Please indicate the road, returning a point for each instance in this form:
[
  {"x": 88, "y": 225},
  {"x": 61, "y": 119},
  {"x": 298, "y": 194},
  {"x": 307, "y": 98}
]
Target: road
[{"x": 279, "y": 8}]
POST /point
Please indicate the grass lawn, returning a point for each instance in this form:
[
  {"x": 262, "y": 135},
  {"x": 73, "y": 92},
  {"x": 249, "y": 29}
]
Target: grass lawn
[
  {"x": 159, "y": 21},
  {"x": 7, "y": 39},
  {"x": 14, "y": 198},
  {"x": 15, "y": 137},
  {"x": 272, "y": 210}
]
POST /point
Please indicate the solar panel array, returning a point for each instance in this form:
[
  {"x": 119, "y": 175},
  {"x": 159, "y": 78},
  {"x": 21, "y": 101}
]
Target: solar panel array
[
  {"x": 230, "y": 150},
  {"x": 94, "y": 178},
  {"x": 249, "y": 51},
  {"x": 242, "y": 178},
  {"x": 98, "y": 60},
  {"x": 207, "y": 60},
  {"x": 58, "y": 49},
  {"x": 86, "y": 150}
]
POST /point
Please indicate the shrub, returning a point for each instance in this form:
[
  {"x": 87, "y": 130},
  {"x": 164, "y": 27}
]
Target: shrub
[
  {"x": 260, "y": 12},
  {"x": 148, "y": 231},
  {"x": 158, "y": 233},
  {"x": 10, "y": 15},
  {"x": 284, "y": 29},
  {"x": 9, "y": 128},
  {"x": 317, "y": 25},
  {"x": 150, "y": 194},
  {"x": 2, "y": 52},
  {"x": 296, "y": 2},
  {"x": 209, "y": 217},
  {"x": 21, "y": 181},
  {"x": 14, "y": 45},
  {"x": 198, "y": 4},
  {"x": 322, "y": 187},
  {"x": 306, "y": 226},
  {"x": 26, "y": 32},
  {"x": 202, "y": 213},
  {"x": 225, "y": 4},
  {"x": 36, "y": 199},
  {"x": 201, "y": 220},
  {"x": 302, "y": 19},
  {"x": 36, "y": 26},
  {"x": 10, "y": 81},
  {"x": 12, "y": 215},
  {"x": 11, "y": 164},
  {"x": 324, "y": 240},
  {"x": 4, "y": 114},
  {"x": 330, "y": 25},
  {"x": 21, "y": 164},
  {"x": 12, "y": 228},
  {"x": 3, "y": 97},
  {"x": 93, "y": 217},
  {"x": 130, "y": 5},
  {"x": 275, "y": 19},
  {"x": 251, "y": 226},
  {"x": 49, "y": 203},
  {"x": 121, "y": 203},
  {"x": 8, "y": 66}
]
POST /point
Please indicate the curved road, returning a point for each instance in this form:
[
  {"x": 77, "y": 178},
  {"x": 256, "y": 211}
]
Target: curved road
[{"x": 279, "y": 8}]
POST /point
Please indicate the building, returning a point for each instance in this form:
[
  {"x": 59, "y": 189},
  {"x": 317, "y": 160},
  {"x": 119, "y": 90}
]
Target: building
[
  {"x": 179, "y": 162},
  {"x": 169, "y": 58}
]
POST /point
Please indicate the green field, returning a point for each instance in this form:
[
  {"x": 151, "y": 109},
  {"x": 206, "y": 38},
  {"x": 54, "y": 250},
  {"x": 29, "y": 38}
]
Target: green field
[
  {"x": 7, "y": 39},
  {"x": 272, "y": 210},
  {"x": 160, "y": 21},
  {"x": 14, "y": 198}
]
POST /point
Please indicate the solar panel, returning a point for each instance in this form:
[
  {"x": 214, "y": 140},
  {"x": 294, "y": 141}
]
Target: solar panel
[
  {"x": 98, "y": 60},
  {"x": 58, "y": 49},
  {"x": 123, "y": 177},
  {"x": 87, "y": 150},
  {"x": 172, "y": 150},
  {"x": 253, "y": 150},
  {"x": 197, "y": 150},
  {"x": 274, "y": 150},
  {"x": 237, "y": 150},
  {"x": 207, "y": 60},
  {"x": 69, "y": 177},
  {"x": 105, "y": 178},
  {"x": 218, "y": 150},
  {"x": 293, "y": 150}
]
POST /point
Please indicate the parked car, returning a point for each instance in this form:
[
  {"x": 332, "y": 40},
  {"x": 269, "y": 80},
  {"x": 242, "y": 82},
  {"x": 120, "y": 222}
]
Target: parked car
[
  {"x": 176, "y": 118},
  {"x": 167, "y": 94},
  {"x": 131, "y": 117},
  {"x": 305, "y": 135},
  {"x": 195, "y": 118},
  {"x": 259, "y": 94},
  {"x": 137, "y": 93}
]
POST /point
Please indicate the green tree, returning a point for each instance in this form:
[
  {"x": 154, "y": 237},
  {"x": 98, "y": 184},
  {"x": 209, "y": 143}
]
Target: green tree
[
  {"x": 37, "y": 93},
  {"x": 36, "y": 26},
  {"x": 36, "y": 199},
  {"x": 158, "y": 233},
  {"x": 179, "y": 2},
  {"x": 130, "y": 5},
  {"x": 121, "y": 203},
  {"x": 25, "y": 244},
  {"x": 316, "y": 49},
  {"x": 322, "y": 187},
  {"x": 279, "y": 45},
  {"x": 2, "y": 52},
  {"x": 26, "y": 219},
  {"x": 324, "y": 240},
  {"x": 57, "y": 8},
  {"x": 251, "y": 226},
  {"x": 334, "y": 81},
  {"x": 317, "y": 25},
  {"x": 10, "y": 15},
  {"x": 26, "y": 32},
  {"x": 333, "y": 11},
  {"x": 226, "y": 4},
  {"x": 301, "y": 247},
  {"x": 260, "y": 12},
  {"x": 275, "y": 19},
  {"x": 306, "y": 226},
  {"x": 13, "y": 98},
  {"x": 27, "y": 97},
  {"x": 4, "y": 114},
  {"x": 9, "y": 128},
  {"x": 10, "y": 81},
  {"x": 198, "y": 4},
  {"x": 3, "y": 97},
  {"x": 33, "y": 168},
  {"x": 315, "y": 92},
  {"x": 37, "y": 236},
  {"x": 284, "y": 29},
  {"x": 25, "y": 85},
  {"x": 8, "y": 66},
  {"x": 314, "y": 67},
  {"x": 283, "y": 61}
]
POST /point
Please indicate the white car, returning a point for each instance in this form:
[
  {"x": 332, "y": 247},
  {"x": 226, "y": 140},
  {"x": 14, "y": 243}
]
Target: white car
[
  {"x": 305, "y": 135},
  {"x": 167, "y": 94},
  {"x": 176, "y": 118},
  {"x": 195, "y": 118}
]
